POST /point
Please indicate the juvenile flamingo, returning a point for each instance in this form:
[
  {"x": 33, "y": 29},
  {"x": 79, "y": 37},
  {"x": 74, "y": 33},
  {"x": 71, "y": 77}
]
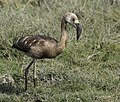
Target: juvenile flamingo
[{"x": 41, "y": 46}]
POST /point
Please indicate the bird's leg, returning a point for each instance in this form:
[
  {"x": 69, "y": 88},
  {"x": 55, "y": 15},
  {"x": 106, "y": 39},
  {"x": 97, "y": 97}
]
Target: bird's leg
[
  {"x": 34, "y": 74},
  {"x": 26, "y": 73}
]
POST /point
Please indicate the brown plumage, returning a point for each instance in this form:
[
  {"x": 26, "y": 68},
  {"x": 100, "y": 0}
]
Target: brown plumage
[
  {"x": 37, "y": 46},
  {"x": 41, "y": 46}
]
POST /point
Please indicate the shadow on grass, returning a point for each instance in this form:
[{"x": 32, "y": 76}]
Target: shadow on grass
[
  {"x": 10, "y": 89},
  {"x": 16, "y": 88}
]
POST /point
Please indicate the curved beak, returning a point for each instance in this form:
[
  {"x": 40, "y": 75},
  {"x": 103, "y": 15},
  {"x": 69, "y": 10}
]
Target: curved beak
[{"x": 78, "y": 30}]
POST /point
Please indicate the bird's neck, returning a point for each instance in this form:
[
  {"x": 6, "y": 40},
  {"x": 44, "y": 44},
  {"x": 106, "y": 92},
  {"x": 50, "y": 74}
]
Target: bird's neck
[{"x": 63, "y": 39}]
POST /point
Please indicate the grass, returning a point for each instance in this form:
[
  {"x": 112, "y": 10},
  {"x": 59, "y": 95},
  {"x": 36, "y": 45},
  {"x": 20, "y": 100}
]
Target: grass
[{"x": 86, "y": 71}]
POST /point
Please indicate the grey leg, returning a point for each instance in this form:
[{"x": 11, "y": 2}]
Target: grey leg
[
  {"x": 26, "y": 73},
  {"x": 34, "y": 75}
]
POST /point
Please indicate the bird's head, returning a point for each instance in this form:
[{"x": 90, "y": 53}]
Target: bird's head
[{"x": 72, "y": 19}]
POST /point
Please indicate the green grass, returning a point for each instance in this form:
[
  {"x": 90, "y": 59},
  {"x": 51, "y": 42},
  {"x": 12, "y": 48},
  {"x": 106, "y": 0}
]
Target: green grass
[{"x": 86, "y": 71}]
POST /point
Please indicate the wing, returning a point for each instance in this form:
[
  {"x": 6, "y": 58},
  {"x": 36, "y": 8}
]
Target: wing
[{"x": 25, "y": 43}]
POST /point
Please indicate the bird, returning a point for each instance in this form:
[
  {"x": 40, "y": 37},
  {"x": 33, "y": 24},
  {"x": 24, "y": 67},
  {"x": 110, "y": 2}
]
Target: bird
[{"x": 42, "y": 46}]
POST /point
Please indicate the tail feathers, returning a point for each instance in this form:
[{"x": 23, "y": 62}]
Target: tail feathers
[{"x": 21, "y": 48}]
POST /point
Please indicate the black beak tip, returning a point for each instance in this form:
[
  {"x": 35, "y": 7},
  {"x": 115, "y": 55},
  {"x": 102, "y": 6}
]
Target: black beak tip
[{"x": 77, "y": 38}]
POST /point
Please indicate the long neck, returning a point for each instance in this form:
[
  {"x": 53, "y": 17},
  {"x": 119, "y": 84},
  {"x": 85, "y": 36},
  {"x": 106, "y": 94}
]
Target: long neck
[{"x": 63, "y": 39}]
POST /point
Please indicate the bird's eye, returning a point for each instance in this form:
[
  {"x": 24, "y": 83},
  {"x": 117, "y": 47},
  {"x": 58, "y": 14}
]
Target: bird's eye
[{"x": 73, "y": 19}]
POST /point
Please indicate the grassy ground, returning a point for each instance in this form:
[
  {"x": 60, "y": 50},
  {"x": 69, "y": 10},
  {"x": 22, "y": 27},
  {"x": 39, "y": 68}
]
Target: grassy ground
[{"x": 87, "y": 70}]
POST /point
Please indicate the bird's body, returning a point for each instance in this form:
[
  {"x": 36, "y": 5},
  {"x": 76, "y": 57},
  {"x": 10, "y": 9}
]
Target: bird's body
[
  {"x": 38, "y": 46},
  {"x": 41, "y": 46}
]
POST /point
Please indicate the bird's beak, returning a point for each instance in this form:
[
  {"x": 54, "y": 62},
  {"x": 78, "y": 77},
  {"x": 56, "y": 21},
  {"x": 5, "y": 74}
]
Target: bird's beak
[{"x": 78, "y": 30}]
